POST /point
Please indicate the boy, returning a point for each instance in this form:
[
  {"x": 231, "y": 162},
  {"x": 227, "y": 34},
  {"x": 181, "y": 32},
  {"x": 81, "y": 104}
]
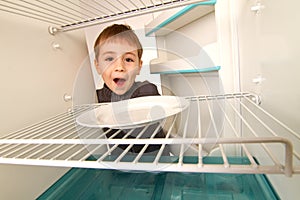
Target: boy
[{"x": 118, "y": 54}]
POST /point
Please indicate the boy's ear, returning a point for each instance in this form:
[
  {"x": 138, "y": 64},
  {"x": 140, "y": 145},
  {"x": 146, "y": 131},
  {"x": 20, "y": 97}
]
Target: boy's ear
[
  {"x": 140, "y": 67},
  {"x": 97, "y": 66}
]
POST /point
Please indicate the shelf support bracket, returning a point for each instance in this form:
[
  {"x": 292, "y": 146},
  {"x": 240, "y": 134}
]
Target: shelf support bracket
[
  {"x": 53, "y": 30},
  {"x": 255, "y": 98}
]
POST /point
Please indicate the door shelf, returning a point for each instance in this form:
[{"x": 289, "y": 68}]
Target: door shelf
[
  {"x": 186, "y": 71},
  {"x": 197, "y": 64},
  {"x": 207, "y": 60},
  {"x": 59, "y": 141},
  {"x": 171, "y": 20}
]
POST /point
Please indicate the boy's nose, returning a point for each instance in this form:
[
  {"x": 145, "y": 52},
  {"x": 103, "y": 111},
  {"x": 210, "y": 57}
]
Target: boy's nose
[{"x": 119, "y": 66}]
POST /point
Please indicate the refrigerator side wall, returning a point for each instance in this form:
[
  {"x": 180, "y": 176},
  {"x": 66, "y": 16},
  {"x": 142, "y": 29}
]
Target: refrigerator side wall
[
  {"x": 269, "y": 62},
  {"x": 33, "y": 80}
]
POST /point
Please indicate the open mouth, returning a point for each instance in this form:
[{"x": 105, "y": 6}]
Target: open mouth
[{"x": 119, "y": 81}]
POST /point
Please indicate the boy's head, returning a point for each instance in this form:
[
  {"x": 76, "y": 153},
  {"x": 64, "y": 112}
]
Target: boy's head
[{"x": 118, "y": 53}]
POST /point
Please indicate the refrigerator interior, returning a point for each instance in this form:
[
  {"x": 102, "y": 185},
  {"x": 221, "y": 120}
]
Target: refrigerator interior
[{"x": 253, "y": 42}]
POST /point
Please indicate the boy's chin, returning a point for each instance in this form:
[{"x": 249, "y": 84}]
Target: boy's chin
[{"x": 120, "y": 91}]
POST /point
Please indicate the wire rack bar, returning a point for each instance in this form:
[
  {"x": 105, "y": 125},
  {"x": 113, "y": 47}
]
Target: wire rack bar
[
  {"x": 59, "y": 141},
  {"x": 130, "y": 145},
  {"x": 247, "y": 124},
  {"x": 21, "y": 13},
  {"x": 71, "y": 14},
  {"x": 129, "y": 141},
  {"x": 31, "y": 11},
  {"x": 107, "y": 10},
  {"x": 207, "y": 168},
  {"x": 126, "y": 14},
  {"x": 152, "y": 136},
  {"x": 58, "y": 10},
  {"x": 95, "y": 149},
  {"x": 53, "y": 13},
  {"x": 182, "y": 144},
  {"x": 249, "y": 156},
  {"x": 111, "y": 149},
  {"x": 163, "y": 145},
  {"x": 199, "y": 169},
  {"x": 46, "y": 7}
]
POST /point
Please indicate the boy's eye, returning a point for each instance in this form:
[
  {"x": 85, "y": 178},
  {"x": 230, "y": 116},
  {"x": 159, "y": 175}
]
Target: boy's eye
[
  {"x": 109, "y": 59},
  {"x": 129, "y": 60}
]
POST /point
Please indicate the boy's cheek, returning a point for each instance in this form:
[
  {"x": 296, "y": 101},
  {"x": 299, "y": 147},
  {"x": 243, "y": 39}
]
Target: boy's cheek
[
  {"x": 97, "y": 66},
  {"x": 98, "y": 70},
  {"x": 101, "y": 69}
]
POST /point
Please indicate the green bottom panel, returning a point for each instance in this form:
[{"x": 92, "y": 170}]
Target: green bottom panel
[{"x": 113, "y": 184}]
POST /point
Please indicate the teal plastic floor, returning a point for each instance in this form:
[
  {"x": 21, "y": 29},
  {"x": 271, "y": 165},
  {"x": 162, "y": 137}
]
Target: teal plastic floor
[{"x": 98, "y": 184}]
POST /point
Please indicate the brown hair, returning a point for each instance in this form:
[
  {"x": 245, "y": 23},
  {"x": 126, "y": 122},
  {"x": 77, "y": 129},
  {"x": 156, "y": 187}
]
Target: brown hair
[{"x": 118, "y": 31}]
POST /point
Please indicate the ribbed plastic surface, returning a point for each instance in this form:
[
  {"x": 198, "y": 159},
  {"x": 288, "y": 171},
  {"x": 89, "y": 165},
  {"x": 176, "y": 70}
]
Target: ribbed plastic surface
[{"x": 112, "y": 184}]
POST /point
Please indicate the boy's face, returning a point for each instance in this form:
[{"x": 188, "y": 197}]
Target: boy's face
[{"x": 118, "y": 63}]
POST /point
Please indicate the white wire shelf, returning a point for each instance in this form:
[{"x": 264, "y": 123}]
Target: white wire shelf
[
  {"x": 246, "y": 130},
  {"x": 67, "y": 15}
]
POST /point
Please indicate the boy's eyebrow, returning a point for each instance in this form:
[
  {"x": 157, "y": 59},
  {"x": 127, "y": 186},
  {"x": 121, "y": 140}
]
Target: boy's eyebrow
[
  {"x": 129, "y": 52},
  {"x": 112, "y": 52},
  {"x": 108, "y": 52}
]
